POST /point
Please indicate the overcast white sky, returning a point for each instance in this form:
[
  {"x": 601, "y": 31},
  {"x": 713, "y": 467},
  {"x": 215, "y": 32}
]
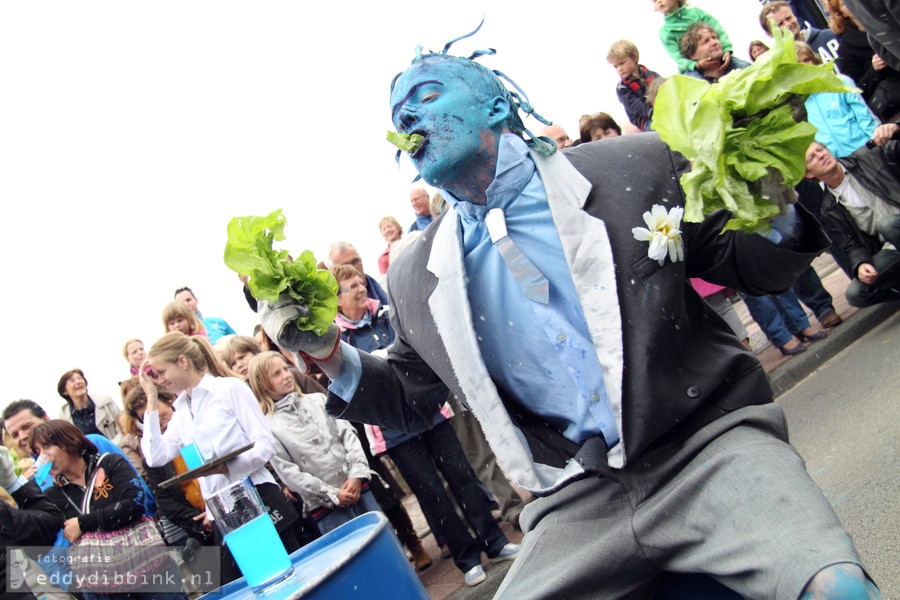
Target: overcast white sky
[{"x": 131, "y": 132}]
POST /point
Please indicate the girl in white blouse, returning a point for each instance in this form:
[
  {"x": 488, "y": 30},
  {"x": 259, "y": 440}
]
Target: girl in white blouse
[{"x": 219, "y": 413}]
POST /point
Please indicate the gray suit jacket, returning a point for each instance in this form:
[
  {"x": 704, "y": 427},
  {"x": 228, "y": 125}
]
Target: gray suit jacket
[{"x": 670, "y": 363}]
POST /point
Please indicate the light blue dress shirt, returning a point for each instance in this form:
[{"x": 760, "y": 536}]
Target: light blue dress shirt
[{"x": 541, "y": 355}]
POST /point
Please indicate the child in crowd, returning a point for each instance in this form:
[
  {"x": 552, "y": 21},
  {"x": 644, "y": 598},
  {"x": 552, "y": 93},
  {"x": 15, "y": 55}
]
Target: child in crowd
[
  {"x": 756, "y": 49},
  {"x": 133, "y": 351},
  {"x": 634, "y": 80},
  {"x": 178, "y": 316},
  {"x": 238, "y": 351},
  {"x": 318, "y": 457},
  {"x": 678, "y": 18}
]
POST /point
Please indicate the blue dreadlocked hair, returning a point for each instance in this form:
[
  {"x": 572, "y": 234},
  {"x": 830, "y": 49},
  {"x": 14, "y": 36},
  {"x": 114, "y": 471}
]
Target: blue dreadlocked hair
[{"x": 517, "y": 98}]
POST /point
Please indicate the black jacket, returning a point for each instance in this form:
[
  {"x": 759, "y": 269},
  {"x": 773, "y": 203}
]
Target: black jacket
[
  {"x": 878, "y": 170},
  {"x": 34, "y": 523},
  {"x": 117, "y": 501},
  {"x": 172, "y": 503}
]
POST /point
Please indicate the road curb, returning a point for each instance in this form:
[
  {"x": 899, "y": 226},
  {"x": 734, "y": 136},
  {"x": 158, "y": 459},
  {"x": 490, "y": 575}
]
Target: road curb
[{"x": 790, "y": 373}]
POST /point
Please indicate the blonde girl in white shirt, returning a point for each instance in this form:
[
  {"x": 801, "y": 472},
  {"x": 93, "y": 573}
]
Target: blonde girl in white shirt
[{"x": 219, "y": 413}]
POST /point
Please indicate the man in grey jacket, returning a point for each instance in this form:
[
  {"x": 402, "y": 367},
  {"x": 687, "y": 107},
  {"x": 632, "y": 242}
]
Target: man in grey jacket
[{"x": 604, "y": 384}]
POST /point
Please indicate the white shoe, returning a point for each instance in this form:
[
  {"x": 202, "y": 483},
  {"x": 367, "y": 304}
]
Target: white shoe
[
  {"x": 475, "y": 575},
  {"x": 508, "y": 552}
]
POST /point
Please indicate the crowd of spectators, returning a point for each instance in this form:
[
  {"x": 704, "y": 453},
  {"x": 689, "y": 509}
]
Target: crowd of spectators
[{"x": 845, "y": 123}]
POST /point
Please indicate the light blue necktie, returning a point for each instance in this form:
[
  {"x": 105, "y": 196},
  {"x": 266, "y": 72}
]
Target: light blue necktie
[{"x": 532, "y": 282}]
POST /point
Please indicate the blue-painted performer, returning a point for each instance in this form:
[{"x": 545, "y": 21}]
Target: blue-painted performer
[{"x": 604, "y": 384}]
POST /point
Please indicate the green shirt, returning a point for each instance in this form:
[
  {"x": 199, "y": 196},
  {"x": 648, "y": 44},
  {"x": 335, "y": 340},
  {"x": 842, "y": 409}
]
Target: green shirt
[{"x": 676, "y": 25}]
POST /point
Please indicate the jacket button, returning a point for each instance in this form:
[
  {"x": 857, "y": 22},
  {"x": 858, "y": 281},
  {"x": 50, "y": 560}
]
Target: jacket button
[{"x": 693, "y": 391}]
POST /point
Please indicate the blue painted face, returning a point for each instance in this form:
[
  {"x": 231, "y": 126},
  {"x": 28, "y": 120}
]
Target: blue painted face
[{"x": 440, "y": 100}]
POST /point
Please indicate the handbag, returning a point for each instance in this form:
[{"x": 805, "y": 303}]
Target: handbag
[{"x": 119, "y": 561}]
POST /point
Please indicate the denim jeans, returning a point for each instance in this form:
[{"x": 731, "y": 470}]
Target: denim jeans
[
  {"x": 418, "y": 460},
  {"x": 887, "y": 263},
  {"x": 811, "y": 292},
  {"x": 779, "y": 317},
  {"x": 338, "y": 516}
]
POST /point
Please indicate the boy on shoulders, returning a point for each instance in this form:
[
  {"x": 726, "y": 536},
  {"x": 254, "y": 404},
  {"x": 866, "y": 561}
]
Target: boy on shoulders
[{"x": 634, "y": 81}]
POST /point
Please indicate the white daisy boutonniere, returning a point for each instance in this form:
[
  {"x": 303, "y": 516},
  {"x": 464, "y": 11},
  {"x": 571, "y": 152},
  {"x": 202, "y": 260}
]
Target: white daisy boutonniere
[{"x": 663, "y": 231}]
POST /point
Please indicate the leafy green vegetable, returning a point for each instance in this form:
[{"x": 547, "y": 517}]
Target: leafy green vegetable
[
  {"x": 249, "y": 252},
  {"x": 742, "y": 134},
  {"x": 406, "y": 142}
]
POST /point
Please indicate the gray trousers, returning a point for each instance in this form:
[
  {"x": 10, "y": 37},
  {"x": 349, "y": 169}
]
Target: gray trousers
[{"x": 734, "y": 501}]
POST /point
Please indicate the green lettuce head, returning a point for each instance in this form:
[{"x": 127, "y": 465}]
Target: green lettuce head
[
  {"x": 746, "y": 136},
  {"x": 249, "y": 252}
]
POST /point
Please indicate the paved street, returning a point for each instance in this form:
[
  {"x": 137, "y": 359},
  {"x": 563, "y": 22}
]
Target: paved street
[{"x": 845, "y": 421}]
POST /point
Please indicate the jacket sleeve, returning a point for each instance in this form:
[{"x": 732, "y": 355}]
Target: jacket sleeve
[
  {"x": 357, "y": 464},
  {"x": 844, "y": 232},
  {"x": 636, "y": 108},
  {"x": 171, "y": 502},
  {"x": 313, "y": 490},
  {"x": 400, "y": 392},
  {"x": 127, "y": 507},
  {"x": 106, "y": 412},
  {"x": 744, "y": 261},
  {"x": 129, "y": 444},
  {"x": 160, "y": 448},
  {"x": 671, "y": 45},
  {"x": 863, "y": 116},
  {"x": 35, "y": 522}
]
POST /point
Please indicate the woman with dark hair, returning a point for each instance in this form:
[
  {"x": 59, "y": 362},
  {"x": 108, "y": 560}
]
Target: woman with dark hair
[
  {"x": 97, "y": 493},
  {"x": 597, "y": 127},
  {"x": 90, "y": 414}
]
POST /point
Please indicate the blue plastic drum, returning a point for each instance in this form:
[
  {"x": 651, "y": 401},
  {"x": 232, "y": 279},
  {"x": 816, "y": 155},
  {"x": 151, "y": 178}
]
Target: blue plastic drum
[{"x": 360, "y": 559}]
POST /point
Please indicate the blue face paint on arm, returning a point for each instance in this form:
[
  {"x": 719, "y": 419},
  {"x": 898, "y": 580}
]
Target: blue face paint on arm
[{"x": 840, "y": 582}]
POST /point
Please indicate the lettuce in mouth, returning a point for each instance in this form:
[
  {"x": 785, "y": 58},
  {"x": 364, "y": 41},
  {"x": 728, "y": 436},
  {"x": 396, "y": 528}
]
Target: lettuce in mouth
[
  {"x": 249, "y": 251},
  {"x": 406, "y": 142},
  {"x": 746, "y": 136}
]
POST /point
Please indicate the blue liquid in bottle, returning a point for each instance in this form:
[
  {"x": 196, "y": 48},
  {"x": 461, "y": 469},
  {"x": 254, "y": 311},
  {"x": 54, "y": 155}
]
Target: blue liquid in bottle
[
  {"x": 258, "y": 551},
  {"x": 42, "y": 473}
]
